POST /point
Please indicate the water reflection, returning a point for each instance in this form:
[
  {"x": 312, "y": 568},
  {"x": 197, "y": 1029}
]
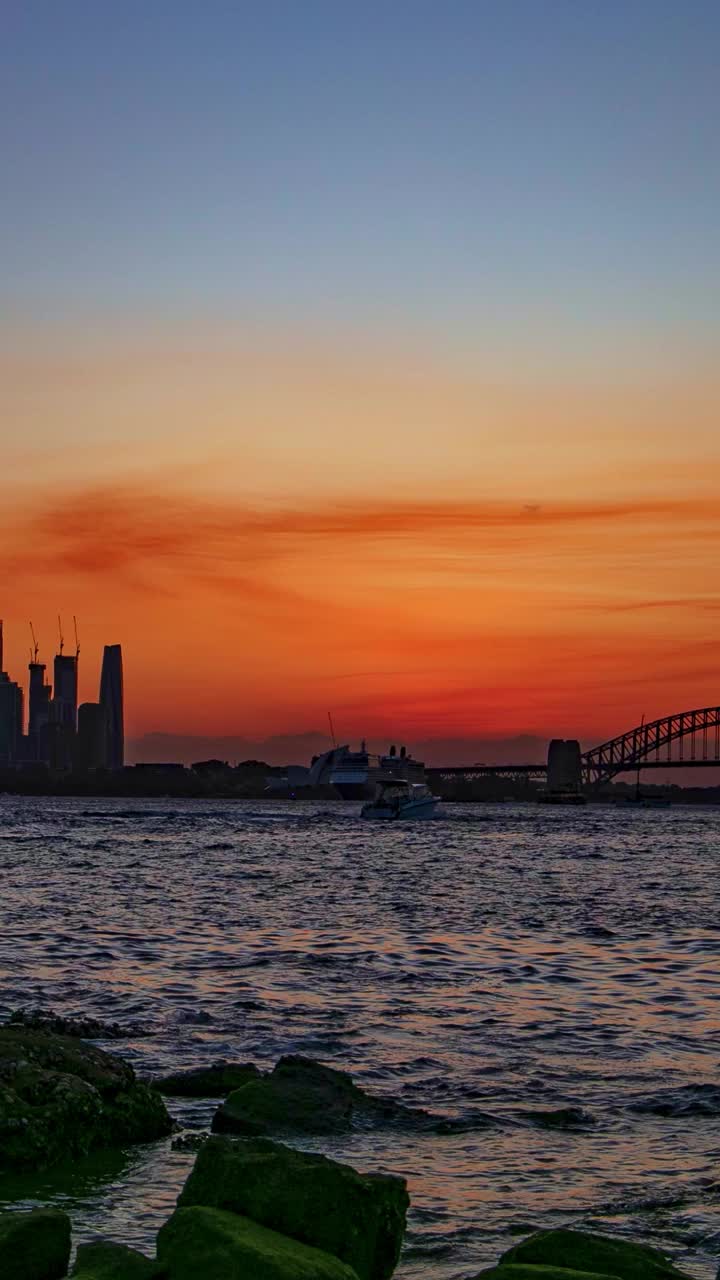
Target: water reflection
[{"x": 505, "y": 960}]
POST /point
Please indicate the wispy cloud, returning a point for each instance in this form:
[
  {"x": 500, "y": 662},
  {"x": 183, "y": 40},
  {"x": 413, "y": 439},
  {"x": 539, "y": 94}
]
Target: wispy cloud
[
  {"x": 118, "y": 530},
  {"x": 430, "y": 616}
]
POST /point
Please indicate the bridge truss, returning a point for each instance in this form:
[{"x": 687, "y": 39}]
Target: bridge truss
[{"x": 691, "y": 738}]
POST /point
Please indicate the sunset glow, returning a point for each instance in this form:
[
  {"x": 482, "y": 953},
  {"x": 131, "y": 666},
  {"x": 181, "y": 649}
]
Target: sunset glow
[
  {"x": 490, "y": 560},
  {"x": 375, "y": 373}
]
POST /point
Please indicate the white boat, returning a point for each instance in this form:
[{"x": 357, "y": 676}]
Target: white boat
[
  {"x": 354, "y": 774},
  {"x": 398, "y": 799}
]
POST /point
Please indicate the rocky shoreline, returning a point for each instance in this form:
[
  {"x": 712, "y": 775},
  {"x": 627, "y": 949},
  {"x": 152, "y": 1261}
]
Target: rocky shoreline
[{"x": 253, "y": 1207}]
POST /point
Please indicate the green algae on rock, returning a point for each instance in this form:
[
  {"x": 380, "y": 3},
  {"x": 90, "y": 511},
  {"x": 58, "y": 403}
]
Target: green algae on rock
[
  {"x": 303, "y": 1096},
  {"x": 34, "y": 1245},
  {"x": 360, "y": 1218},
  {"x": 200, "y": 1243},
  {"x": 215, "y": 1081},
  {"x": 298, "y": 1095},
  {"x": 74, "y": 1025},
  {"x": 105, "y": 1260},
  {"x": 61, "y": 1098},
  {"x": 586, "y": 1251}
]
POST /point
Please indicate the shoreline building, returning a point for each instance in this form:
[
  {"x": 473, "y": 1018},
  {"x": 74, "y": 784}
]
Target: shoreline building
[
  {"x": 39, "y": 715},
  {"x": 92, "y": 738},
  {"x": 111, "y": 700},
  {"x": 11, "y": 714},
  {"x": 63, "y": 712},
  {"x": 60, "y": 735}
]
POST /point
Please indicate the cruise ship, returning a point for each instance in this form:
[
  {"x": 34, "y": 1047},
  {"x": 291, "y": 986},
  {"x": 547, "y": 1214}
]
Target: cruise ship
[{"x": 354, "y": 774}]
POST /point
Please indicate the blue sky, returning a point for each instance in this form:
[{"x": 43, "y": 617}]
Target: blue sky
[
  {"x": 520, "y": 174},
  {"x": 478, "y": 243}
]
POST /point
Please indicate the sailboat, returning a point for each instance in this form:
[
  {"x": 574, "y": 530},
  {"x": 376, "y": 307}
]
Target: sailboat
[{"x": 648, "y": 802}]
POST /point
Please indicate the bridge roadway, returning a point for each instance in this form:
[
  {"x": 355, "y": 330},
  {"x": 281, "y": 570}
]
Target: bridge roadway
[
  {"x": 470, "y": 771},
  {"x": 686, "y": 740}
]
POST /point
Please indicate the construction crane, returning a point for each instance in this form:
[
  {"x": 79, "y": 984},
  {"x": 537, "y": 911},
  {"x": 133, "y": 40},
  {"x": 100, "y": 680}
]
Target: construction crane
[
  {"x": 35, "y": 647},
  {"x": 62, "y": 642},
  {"x": 77, "y": 642}
]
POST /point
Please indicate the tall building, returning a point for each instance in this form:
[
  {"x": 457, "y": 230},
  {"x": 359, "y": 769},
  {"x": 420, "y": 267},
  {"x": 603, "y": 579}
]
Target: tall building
[
  {"x": 11, "y": 714},
  {"x": 63, "y": 712},
  {"x": 38, "y": 732},
  {"x": 65, "y": 691},
  {"x": 92, "y": 737},
  {"x": 111, "y": 698}
]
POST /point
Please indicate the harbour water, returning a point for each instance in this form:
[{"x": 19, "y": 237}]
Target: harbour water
[{"x": 495, "y": 964}]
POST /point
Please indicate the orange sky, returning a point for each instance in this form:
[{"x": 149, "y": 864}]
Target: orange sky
[{"x": 272, "y": 529}]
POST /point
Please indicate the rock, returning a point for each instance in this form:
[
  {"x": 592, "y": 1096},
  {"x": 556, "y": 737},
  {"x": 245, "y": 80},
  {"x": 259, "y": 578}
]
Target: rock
[
  {"x": 359, "y": 1218},
  {"x": 524, "y": 1271},
  {"x": 80, "y": 1026},
  {"x": 299, "y": 1095},
  {"x": 302, "y": 1096},
  {"x": 35, "y": 1245},
  {"x": 216, "y": 1081},
  {"x": 103, "y": 1260},
  {"x": 586, "y": 1251},
  {"x": 60, "y": 1097},
  {"x": 211, "y": 1244},
  {"x": 688, "y": 1100}
]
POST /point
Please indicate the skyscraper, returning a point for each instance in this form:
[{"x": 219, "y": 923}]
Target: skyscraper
[
  {"x": 65, "y": 690},
  {"x": 11, "y": 714},
  {"x": 111, "y": 698},
  {"x": 63, "y": 712},
  {"x": 39, "y": 712},
  {"x": 92, "y": 738}
]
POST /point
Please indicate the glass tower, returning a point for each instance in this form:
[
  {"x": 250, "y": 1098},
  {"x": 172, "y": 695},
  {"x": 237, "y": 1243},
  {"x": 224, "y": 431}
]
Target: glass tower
[{"x": 111, "y": 699}]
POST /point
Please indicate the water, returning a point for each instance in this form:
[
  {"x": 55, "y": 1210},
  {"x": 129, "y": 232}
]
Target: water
[{"x": 507, "y": 959}]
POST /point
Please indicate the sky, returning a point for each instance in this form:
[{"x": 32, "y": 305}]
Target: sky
[{"x": 363, "y": 358}]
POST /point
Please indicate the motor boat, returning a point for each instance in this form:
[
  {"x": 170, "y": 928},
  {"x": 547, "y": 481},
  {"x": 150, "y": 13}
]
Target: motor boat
[{"x": 399, "y": 799}]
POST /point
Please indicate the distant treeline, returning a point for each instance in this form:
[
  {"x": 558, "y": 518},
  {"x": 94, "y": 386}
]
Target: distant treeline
[{"x": 249, "y": 781}]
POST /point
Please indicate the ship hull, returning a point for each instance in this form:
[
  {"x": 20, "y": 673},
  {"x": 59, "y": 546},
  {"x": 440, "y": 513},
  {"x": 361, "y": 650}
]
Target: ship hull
[{"x": 354, "y": 790}]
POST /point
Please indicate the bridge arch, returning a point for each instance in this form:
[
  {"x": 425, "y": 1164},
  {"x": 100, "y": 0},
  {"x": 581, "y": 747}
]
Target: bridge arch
[{"x": 653, "y": 744}]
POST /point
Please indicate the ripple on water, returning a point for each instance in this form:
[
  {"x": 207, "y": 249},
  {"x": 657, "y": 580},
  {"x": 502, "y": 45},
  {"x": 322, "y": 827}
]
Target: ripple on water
[{"x": 500, "y": 966}]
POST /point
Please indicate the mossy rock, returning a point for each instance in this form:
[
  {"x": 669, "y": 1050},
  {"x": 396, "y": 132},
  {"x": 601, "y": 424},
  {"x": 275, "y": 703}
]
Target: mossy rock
[
  {"x": 586, "y": 1251},
  {"x": 210, "y": 1244},
  {"x": 216, "y": 1081},
  {"x": 27, "y": 1050},
  {"x": 524, "y": 1271},
  {"x": 303, "y": 1096},
  {"x": 104, "y": 1260},
  {"x": 84, "y": 1027},
  {"x": 359, "y": 1218},
  {"x": 60, "y": 1098},
  {"x": 298, "y": 1096},
  {"x": 35, "y": 1245}
]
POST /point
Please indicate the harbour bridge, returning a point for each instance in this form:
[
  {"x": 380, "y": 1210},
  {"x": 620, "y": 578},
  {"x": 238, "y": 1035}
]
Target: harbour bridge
[{"x": 690, "y": 739}]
